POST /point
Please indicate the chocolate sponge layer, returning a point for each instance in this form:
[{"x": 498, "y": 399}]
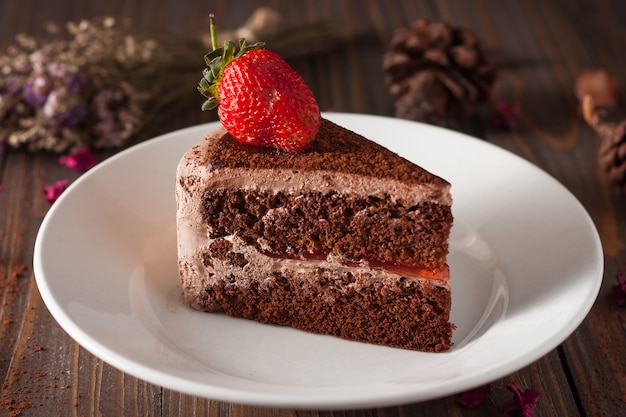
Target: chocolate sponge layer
[
  {"x": 314, "y": 224},
  {"x": 399, "y": 313}
]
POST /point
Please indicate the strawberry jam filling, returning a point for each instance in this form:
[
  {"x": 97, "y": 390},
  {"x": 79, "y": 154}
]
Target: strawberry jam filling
[
  {"x": 403, "y": 269},
  {"x": 411, "y": 271}
]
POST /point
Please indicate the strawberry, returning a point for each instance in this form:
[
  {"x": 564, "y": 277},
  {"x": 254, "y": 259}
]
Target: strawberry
[{"x": 261, "y": 100}]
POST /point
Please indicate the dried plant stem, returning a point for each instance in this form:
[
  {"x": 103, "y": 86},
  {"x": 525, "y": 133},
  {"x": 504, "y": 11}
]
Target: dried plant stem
[{"x": 267, "y": 25}]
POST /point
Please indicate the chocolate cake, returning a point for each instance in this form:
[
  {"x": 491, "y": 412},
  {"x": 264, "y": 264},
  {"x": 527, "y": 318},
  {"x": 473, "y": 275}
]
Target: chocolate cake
[{"x": 346, "y": 239}]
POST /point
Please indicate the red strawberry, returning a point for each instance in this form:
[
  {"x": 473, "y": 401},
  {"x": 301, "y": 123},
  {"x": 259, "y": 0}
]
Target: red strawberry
[{"x": 262, "y": 100}]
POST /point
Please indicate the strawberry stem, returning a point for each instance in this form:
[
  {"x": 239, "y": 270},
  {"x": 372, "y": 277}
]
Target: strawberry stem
[
  {"x": 213, "y": 31},
  {"x": 216, "y": 61}
]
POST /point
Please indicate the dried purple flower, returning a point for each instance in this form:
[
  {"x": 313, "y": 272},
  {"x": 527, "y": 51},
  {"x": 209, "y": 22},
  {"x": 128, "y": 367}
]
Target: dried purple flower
[
  {"x": 116, "y": 116},
  {"x": 523, "y": 401},
  {"x": 617, "y": 297},
  {"x": 63, "y": 107},
  {"x": 475, "y": 397},
  {"x": 36, "y": 90},
  {"x": 52, "y": 192},
  {"x": 89, "y": 84}
]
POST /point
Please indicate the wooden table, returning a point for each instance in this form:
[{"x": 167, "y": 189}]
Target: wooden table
[{"x": 541, "y": 48}]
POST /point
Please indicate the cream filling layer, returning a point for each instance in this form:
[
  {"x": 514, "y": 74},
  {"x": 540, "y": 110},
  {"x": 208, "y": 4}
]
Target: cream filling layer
[
  {"x": 292, "y": 181},
  {"x": 194, "y": 244}
]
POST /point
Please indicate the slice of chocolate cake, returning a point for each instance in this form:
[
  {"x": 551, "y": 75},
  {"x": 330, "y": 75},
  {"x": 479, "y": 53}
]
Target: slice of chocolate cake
[{"x": 346, "y": 239}]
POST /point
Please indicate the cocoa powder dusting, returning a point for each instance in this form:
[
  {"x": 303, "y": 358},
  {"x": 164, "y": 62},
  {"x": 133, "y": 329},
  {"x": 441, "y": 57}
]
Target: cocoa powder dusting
[{"x": 22, "y": 389}]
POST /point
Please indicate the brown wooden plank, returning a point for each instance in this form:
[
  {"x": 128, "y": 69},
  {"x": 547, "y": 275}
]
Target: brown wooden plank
[{"x": 543, "y": 45}]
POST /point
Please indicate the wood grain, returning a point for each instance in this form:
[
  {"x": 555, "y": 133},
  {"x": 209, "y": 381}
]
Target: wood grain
[{"x": 540, "y": 46}]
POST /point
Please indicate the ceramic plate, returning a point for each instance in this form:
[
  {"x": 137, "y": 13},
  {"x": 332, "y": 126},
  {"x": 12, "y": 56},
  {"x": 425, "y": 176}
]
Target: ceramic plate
[{"x": 525, "y": 259}]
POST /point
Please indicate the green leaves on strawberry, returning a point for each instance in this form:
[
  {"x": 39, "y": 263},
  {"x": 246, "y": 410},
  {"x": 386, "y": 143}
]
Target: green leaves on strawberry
[
  {"x": 216, "y": 61},
  {"x": 260, "y": 99}
]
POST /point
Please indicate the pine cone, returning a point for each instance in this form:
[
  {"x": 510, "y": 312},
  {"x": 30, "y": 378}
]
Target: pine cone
[
  {"x": 612, "y": 156},
  {"x": 437, "y": 73}
]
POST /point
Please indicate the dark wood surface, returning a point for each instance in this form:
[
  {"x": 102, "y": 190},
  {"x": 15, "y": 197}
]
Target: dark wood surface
[{"x": 541, "y": 46}]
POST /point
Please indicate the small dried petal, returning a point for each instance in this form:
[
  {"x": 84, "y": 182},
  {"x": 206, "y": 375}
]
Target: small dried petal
[
  {"x": 475, "y": 397},
  {"x": 81, "y": 160},
  {"x": 523, "y": 401},
  {"x": 52, "y": 192},
  {"x": 617, "y": 297},
  {"x": 504, "y": 116}
]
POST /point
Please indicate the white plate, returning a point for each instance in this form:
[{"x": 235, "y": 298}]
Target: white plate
[{"x": 525, "y": 259}]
